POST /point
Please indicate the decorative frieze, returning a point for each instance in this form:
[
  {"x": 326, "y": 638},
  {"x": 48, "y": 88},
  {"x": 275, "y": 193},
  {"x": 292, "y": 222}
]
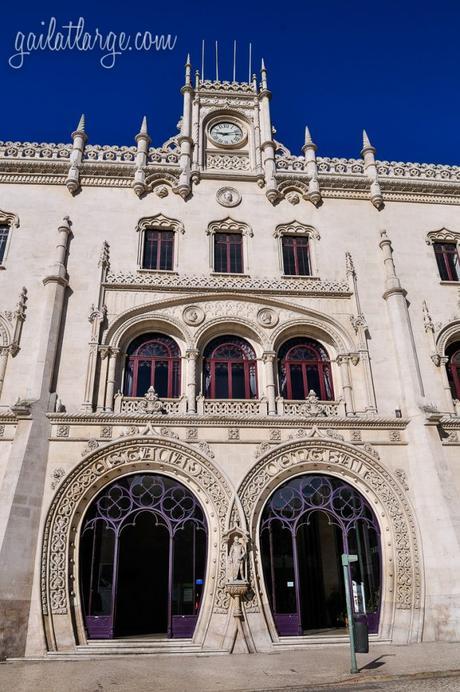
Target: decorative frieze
[{"x": 301, "y": 286}]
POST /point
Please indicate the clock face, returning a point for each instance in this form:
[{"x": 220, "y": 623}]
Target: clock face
[{"x": 226, "y": 133}]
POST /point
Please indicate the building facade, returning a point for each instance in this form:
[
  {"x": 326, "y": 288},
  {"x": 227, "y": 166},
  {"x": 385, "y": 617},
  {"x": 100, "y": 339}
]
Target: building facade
[{"x": 221, "y": 367}]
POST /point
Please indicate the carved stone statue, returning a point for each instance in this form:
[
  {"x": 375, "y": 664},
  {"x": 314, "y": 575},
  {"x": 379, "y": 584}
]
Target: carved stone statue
[{"x": 236, "y": 560}]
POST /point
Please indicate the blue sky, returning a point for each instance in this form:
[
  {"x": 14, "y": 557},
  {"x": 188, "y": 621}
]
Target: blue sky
[{"x": 391, "y": 67}]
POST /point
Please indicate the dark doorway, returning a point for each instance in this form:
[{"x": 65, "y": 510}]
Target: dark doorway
[
  {"x": 319, "y": 545},
  {"x": 142, "y": 595},
  {"x": 306, "y": 525}
]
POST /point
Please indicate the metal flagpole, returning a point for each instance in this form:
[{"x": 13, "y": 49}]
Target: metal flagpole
[
  {"x": 250, "y": 63},
  {"x": 217, "y": 62},
  {"x": 234, "y": 61},
  {"x": 202, "y": 60}
]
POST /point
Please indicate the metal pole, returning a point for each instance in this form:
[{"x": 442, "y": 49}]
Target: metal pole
[{"x": 346, "y": 559}]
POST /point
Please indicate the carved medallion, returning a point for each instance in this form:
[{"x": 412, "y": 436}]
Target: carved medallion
[
  {"x": 228, "y": 197},
  {"x": 267, "y": 317},
  {"x": 193, "y": 315}
]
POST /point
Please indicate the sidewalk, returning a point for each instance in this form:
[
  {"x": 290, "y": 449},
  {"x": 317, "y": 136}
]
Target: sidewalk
[{"x": 283, "y": 670}]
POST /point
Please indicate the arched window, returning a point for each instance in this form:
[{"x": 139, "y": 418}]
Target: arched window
[
  {"x": 230, "y": 369},
  {"x": 303, "y": 366},
  {"x": 143, "y": 559},
  {"x": 153, "y": 360},
  {"x": 453, "y": 369},
  {"x": 306, "y": 526}
]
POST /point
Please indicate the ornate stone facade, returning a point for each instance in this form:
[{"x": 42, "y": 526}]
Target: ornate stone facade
[{"x": 381, "y": 415}]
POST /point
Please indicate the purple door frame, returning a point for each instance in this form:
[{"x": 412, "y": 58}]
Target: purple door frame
[
  {"x": 291, "y": 506},
  {"x": 119, "y": 505}
]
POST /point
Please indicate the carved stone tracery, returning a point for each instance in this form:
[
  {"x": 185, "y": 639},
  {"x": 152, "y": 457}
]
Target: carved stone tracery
[
  {"x": 362, "y": 470},
  {"x": 146, "y": 452}
]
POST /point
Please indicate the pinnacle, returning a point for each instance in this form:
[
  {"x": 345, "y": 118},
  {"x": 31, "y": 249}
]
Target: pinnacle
[
  {"x": 81, "y": 124},
  {"x": 366, "y": 140},
  {"x": 308, "y": 139},
  {"x": 143, "y": 130}
]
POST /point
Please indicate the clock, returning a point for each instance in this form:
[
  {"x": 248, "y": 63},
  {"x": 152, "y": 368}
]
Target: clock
[{"x": 226, "y": 133}]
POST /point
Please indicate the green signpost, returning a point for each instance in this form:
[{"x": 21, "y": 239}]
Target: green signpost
[{"x": 346, "y": 560}]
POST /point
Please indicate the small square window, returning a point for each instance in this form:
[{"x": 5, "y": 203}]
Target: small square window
[
  {"x": 4, "y": 230},
  {"x": 448, "y": 261},
  {"x": 296, "y": 260},
  {"x": 228, "y": 253},
  {"x": 158, "y": 250}
]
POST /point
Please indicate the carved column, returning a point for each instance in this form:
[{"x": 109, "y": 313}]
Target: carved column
[
  {"x": 192, "y": 357},
  {"x": 113, "y": 359},
  {"x": 343, "y": 361},
  {"x": 360, "y": 326},
  {"x": 370, "y": 168},
  {"x": 3, "y": 361},
  {"x": 79, "y": 138},
  {"x": 95, "y": 318},
  {"x": 309, "y": 149},
  {"x": 103, "y": 353},
  {"x": 185, "y": 138},
  {"x": 442, "y": 362},
  {"x": 268, "y": 359},
  {"x": 143, "y": 142},
  {"x": 267, "y": 144},
  {"x": 401, "y": 327}
]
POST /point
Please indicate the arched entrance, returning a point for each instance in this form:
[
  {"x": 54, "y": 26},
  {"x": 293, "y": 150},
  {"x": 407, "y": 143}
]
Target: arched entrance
[
  {"x": 142, "y": 559},
  {"x": 306, "y": 525}
]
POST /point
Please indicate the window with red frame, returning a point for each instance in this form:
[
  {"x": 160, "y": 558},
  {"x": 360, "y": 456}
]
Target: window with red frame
[
  {"x": 153, "y": 360},
  {"x": 158, "y": 249},
  {"x": 228, "y": 253},
  {"x": 3, "y": 239},
  {"x": 303, "y": 366},
  {"x": 453, "y": 369},
  {"x": 448, "y": 261},
  {"x": 296, "y": 259},
  {"x": 230, "y": 369}
]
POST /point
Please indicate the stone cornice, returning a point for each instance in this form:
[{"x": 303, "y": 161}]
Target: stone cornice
[
  {"x": 114, "y": 166},
  {"x": 244, "y": 420}
]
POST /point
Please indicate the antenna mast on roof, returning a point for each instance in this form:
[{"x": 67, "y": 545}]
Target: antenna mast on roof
[{"x": 202, "y": 60}]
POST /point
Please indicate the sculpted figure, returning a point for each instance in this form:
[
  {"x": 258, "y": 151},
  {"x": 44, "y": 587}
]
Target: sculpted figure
[{"x": 236, "y": 559}]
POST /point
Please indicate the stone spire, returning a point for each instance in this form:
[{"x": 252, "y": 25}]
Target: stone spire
[
  {"x": 309, "y": 150},
  {"x": 263, "y": 73},
  {"x": 185, "y": 140},
  {"x": 267, "y": 143},
  {"x": 368, "y": 154},
  {"x": 79, "y": 138},
  {"x": 143, "y": 142},
  {"x": 188, "y": 71}
]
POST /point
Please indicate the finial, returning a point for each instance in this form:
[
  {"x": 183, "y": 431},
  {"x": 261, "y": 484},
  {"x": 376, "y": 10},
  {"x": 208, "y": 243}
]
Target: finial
[
  {"x": 263, "y": 71},
  {"x": 308, "y": 139},
  {"x": 366, "y": 142},
  {"x": 143, "y": 130},
  {"x": 188, "y": 71},
  {"x": 81, "y": 124}
]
